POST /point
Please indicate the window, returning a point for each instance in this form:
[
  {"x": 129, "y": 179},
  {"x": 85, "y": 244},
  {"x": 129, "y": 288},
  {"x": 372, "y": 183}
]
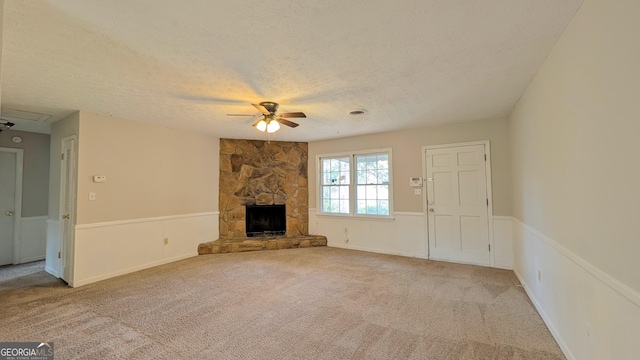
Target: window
[
  {"x": 335, "y": 184},
  {"x": 356, "y": 184},
  {"x": 372, "y": 184}
]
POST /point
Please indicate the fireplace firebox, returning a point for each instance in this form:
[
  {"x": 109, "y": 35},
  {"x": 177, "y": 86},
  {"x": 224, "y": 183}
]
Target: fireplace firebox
[{"x": 266, "y": 220}]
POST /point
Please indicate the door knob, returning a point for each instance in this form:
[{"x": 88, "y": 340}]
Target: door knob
[
  {"x": 9, "y": 213},
  {"x": 431, "y": 210},
  {"x": 65, "y": 217}
]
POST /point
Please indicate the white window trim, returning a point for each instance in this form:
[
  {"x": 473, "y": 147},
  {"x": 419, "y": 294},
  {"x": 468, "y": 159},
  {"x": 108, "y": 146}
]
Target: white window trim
[{"x": 352, "y": 184}]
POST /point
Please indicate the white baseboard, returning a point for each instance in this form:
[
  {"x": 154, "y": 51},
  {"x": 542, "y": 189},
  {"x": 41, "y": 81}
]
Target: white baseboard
[
  {"x": 31, "y": 259},
  {"x": 378, "y": 251},
  {"x": 51, "y": 271},
  {"x": 591, "y": 314},
  {"x": 105, "y": 250}
]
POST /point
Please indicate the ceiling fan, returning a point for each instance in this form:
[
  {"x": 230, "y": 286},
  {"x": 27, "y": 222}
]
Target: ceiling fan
[{"x": 271, "y": 120}]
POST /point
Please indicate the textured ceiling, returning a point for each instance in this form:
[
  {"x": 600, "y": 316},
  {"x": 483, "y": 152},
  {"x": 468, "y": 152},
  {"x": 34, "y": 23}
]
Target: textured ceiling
[{"x": 185, "y": 64}]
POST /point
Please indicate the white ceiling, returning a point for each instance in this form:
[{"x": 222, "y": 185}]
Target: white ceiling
[{"x": 185, "y": 64}]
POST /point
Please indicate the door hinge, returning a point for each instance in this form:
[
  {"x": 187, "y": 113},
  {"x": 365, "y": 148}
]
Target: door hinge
[
  {"x": 62, "y": 156},
  {"x": 485, "y": 157},
  {"x": 58, "y": 254},
  {"x": 487, "y": 202},
  {"x": 489, "y": 247}
]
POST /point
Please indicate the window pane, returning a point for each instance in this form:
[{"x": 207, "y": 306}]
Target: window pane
[
  {"x": 334, "y": 192},
  {"x": 344, "y": 193},
  {"x": 326, "y": 192},
  {"x": 383, "y": 162},
  {"x": 325, "y": 178},
  {"x": 372, "y": 207},
  {"x": 344, "y": 206},
  {"x": 360, "y": 163},
  {"x": 372, "y": 177},
  {"x": 383, "y": 207},
  {"x": 383, "y": 192},
  {"x": 362, "y": 207},
  {"x": 326, "y": 206},
  {"x": 371, "y": 192},
  {"x": 361, "y": 192},
  {"x": 335, "y": 178},
  {"x": 383, "y": 176},
  {"x": 362, "y": 177}
]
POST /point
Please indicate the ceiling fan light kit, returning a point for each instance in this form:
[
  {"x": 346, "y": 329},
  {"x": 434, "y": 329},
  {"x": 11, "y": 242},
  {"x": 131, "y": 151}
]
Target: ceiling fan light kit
[{"x": 273, "y": 126}]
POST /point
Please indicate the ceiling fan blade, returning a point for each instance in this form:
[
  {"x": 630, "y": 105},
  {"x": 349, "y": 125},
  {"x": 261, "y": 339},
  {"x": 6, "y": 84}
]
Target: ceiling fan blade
[
  {"x": 240, "y": 115},
  {"x": 262, "y": 109},
  {"x": 287, "y": 122},
  {"x": 293, "y": 115},
  {"x": 256, "y": 123}
]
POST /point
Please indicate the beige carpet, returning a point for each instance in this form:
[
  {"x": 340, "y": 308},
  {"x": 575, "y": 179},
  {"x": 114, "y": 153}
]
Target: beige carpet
[{"x": 315, "y": 303}]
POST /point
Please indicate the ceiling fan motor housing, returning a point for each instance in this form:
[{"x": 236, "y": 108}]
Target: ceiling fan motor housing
[{"x": 270, "y": 106}]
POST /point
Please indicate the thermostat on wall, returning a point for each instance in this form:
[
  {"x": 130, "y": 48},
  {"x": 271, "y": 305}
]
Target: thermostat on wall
[
  {"x": 99, "y": 178},
  {"x": 415, "y": 181}
]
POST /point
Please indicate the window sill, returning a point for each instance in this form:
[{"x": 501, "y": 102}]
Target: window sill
[{"x": 356, "y": 217}]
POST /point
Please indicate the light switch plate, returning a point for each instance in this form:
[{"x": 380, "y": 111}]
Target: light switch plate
[{"x": 92, "y": 196}]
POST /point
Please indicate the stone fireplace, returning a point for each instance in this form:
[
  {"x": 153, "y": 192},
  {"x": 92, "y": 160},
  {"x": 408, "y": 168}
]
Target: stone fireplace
[{"x": 254, "y": 172}]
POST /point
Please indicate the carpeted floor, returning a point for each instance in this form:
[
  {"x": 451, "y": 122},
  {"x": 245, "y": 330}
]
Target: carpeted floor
[{"x": 315, "y": 303}]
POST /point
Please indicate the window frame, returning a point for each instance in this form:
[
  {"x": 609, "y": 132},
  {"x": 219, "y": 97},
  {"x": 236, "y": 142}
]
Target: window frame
[{"x": 353, "y": 183}]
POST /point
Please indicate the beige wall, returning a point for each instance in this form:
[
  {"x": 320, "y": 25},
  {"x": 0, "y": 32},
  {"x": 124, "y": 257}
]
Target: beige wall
[
  {"x": 574, "y": 138},
  {"x": 59, "y": 130},
  {"x": 151, "y": 170},
  {"x": 35, "y": 176},
  {"x": 407, "y": 158}
]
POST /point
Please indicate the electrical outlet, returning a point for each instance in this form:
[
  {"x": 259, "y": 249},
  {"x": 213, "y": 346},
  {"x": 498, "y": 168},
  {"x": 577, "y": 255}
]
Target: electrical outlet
[
  {"x": 346, "y": 231},
  {"x": 539, "y": 275},
  {"x": 166, "y": 241},
  {"x": 417, "y": 191},
  {"x": 92, "y": 195}
]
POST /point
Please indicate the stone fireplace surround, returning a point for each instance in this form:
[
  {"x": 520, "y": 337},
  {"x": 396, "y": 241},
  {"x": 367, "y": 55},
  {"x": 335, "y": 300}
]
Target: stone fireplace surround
[{"x": 262, "y": 173}]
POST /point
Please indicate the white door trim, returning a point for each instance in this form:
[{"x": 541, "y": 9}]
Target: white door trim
[
  {"x": 17, "y": 207},
  {"x": 487, "y": 164}
]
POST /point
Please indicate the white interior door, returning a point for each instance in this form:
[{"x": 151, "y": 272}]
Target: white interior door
[
  {"x": 67, "y": 208},
  {"x": 457, "y": 204},
  {"x": 7, "y": 205}
]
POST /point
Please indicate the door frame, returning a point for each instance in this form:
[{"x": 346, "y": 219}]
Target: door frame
[
  {"x": 487, "y": 164},
  {"x": 17, "y": 206},
  {"x": 67, "y": 244}
]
